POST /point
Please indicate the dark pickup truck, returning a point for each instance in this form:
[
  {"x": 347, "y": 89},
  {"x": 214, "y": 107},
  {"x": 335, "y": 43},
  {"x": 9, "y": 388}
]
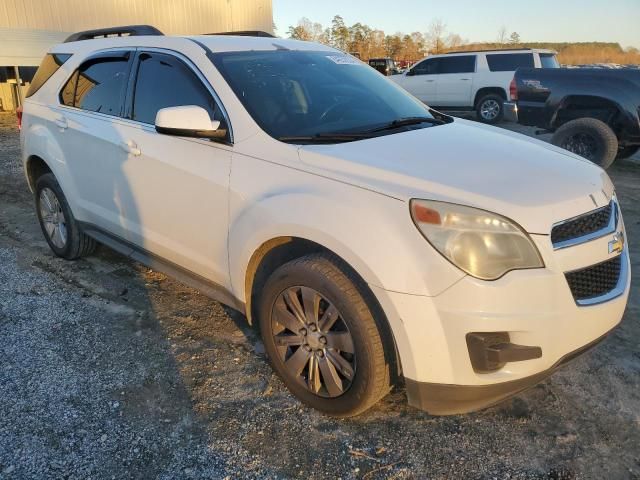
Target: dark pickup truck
[{"x": 591, "y": 112}]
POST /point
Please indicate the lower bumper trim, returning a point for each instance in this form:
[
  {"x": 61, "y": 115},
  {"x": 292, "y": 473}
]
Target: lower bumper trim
[{"x": 448, "y": 399}]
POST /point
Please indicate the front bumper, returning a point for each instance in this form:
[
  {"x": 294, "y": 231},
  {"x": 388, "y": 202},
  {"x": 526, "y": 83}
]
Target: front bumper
[
  {"x": 535, "y": 307},
  {"x": 443, "y": 399},
  {"x": 510, "y": 111}
]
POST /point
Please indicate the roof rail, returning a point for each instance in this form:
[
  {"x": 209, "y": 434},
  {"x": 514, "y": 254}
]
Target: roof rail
[
  {"x": 489, "y": 50},
  {"x": 127, "y": 30},
  {"x": 245, "y": 33}
]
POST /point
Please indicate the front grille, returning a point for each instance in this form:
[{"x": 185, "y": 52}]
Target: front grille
[
  {"x": 583, "y": 225},
  {"x": 596, "y": 280}
]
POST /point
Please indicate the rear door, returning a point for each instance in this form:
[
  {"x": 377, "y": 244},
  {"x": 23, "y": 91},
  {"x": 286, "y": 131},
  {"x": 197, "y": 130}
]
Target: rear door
[
  {"x": 92, "y": 103},
  {"x": 455, "y": 80},
  {"x": 420, "y": 81},
  {"x": 177, "y": 207}
]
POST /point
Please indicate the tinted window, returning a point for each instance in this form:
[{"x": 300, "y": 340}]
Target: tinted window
[
  {"x": 101, "y": 85},
  {"x": 457, "y": 64},
  {"x": 426, "y": 67},
  {"x": 164, "y": 81},
  {"x": 69, "y": 90},
  {"x": 549, "y": 60},
  {"x": 509, "y": 62},
  {"x": 50, "y": 65}
]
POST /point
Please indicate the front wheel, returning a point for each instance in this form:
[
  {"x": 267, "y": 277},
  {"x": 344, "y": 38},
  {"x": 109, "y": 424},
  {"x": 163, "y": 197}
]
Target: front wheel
[
  {"x": 321, "y": 336},
  {"x": 590, "y": 138},
  {"x": 490, "y": 108}
]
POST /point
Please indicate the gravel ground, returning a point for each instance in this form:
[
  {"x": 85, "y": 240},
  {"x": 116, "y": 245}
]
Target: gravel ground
[{"x": 110, "y": 370}]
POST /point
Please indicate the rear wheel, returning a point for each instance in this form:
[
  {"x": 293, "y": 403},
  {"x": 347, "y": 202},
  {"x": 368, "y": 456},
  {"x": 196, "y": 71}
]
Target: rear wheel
[
  {"x": 61, "y": 230},
  {"x": 590, "y": 138},
  {"x": 321, "y": 337},
  {"x": 490, "y": 108}
]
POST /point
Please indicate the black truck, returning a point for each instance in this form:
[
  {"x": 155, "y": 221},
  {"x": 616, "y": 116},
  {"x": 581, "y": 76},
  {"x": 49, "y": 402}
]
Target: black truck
[{"x": 591, "y": 112}]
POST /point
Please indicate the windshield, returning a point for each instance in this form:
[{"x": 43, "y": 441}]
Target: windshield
[
  {"x": 308, "y": 93},
  {"x": 549, "y": 60}
]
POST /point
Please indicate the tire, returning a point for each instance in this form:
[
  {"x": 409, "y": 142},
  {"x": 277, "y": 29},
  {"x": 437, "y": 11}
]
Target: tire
[
  {"x": 490, "y": 108},
  {"x": 59, "y": 227},
  {"x": 590, "y": 138},
  {"x": 334, "y": 389},
  {"x": 626, "y": 152}
]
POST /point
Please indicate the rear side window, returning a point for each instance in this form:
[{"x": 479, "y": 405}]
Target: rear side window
[
  {"x": 165, "y": 81},
  {"x": 99, "y": 85},
  {"x": 50, "y": 65},
  {"x": 457, "y": 64},
  {"x": 549, "y": 60},
  {"x": 509, "y": 62}
]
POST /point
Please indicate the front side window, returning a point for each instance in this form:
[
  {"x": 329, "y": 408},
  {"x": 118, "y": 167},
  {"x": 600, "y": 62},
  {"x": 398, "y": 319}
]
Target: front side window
[
  {"x": 164, "y": 81},
  {"x": 426, "y": 67},
  {"x": 509, "y": 62},
  {"x": 99, "y": 85},
  {"x": 310, "y": 93},
  {"x": 457, "y": 64}
]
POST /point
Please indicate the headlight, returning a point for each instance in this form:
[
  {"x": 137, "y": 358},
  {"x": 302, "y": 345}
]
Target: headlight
[{"x": 483, "y": 244}]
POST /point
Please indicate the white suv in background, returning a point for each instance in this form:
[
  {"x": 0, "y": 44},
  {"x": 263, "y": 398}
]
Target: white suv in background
[
  {"x": 471, "y": 80},
  {"x": 371, "y": 239}
]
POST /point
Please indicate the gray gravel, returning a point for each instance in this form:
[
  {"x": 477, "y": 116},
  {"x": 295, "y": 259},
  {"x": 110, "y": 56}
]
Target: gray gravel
[{"x": 110, "y": 370}]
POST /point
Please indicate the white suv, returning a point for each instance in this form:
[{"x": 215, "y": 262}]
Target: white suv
[
  {"x": 371, "y": 239},
  {"x": 471, "y": 80}
]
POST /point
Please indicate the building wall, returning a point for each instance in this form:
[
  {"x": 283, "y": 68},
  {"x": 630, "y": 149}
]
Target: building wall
[
  {"x": 172, "y": 17},
  {"x": 28, "y": 28}
]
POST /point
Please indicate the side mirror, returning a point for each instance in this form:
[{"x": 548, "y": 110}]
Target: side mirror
[
  {"x": 188, "y": 121},
  {"x": 409, "y": 73}
]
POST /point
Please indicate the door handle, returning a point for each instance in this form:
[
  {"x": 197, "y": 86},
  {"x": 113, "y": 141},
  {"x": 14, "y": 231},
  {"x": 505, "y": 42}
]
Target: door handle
[
  {"x": 465, "y": 79},
  {"x": 131, "y": 148},
  {"x": 61, "y": 122},
  {"x": 430, "y": 80}
]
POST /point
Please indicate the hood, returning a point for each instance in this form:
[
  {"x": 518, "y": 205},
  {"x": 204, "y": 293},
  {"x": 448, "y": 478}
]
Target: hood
[{"x": 529, "y": 181}]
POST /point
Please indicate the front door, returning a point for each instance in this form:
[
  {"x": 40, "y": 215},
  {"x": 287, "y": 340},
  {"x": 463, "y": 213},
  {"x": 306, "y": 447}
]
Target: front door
[
  {"x": 178, "y": 206},
  {"x": 420, "y": 81}
]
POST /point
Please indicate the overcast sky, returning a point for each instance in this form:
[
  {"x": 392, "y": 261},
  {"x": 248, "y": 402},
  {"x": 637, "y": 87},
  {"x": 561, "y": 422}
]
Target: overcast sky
[{"x": 479, "y": 20}]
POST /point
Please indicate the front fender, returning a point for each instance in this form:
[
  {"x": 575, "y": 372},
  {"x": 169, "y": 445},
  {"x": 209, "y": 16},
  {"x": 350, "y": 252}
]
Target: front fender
[{"x": 373, "y": 233}]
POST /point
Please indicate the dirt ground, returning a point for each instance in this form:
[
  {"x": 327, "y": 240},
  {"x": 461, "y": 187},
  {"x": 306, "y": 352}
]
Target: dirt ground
[{"x": 110, "y": 370}]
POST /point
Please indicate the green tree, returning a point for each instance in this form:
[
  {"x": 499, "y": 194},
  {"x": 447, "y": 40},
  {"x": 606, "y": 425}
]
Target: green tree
[{"x": 514, "y": 39}]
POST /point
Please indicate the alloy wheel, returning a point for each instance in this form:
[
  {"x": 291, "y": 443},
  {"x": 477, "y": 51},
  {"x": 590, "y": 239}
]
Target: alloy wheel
[
  {"x": 53, "y": 219},
  {"x": 313, "y": 341},
  {"x": 489, "y": 109}
]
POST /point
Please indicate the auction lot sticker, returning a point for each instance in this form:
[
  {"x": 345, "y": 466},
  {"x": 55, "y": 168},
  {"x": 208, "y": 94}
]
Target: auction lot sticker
[{"x": 344, "y": 60}]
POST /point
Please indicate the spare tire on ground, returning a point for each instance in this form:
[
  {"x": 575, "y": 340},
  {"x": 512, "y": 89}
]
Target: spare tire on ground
[{"x": 590, "y": 138}]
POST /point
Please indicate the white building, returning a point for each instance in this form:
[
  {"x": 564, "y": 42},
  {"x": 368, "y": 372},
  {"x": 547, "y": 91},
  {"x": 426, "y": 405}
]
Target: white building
[{"x": 29, "y": 27}]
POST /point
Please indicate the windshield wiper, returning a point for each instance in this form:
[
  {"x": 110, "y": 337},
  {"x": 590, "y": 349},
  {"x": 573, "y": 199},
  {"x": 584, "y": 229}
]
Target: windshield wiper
[
  {"x": 407, "y": 121},
  {"x": 324, "y": 137}
]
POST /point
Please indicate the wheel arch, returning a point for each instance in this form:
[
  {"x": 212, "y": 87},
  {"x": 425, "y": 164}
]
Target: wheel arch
[
  {"x": 35, "y": 167},
  {"x": 482, "y": 92},
  {"x": 277, "y": 251},
  {"x": 573, "y": 107}
]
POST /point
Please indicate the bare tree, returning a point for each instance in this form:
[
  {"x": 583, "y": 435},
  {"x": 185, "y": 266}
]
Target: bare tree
[
  {"x": 503, "y": 35},
  {"x": 436, "y": 36}
]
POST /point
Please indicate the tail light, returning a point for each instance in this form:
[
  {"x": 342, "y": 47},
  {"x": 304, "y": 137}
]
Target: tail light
[
  {"x": 513, "y": 89},
  {"x": 19, "y": 115}
]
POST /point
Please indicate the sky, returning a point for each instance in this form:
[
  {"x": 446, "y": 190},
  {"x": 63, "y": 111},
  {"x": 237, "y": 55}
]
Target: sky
[{"x": 479, "y": 20}]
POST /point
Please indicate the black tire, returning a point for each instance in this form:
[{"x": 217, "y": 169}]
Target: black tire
[
  {"x": 372, "y": 357},
  {"x": 76, "y": 244},
  {"x": 626, "y": 152},
  {"x": 490, "y": 108},
  {"x": 590, "y": 138}
]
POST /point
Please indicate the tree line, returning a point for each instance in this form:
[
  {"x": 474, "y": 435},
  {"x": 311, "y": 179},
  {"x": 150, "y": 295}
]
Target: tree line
[{"x": 368, "y": 42}]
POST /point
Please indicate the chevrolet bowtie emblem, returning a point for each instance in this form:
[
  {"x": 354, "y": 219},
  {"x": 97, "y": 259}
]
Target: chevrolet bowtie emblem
[{"x": 617, "y": 244}]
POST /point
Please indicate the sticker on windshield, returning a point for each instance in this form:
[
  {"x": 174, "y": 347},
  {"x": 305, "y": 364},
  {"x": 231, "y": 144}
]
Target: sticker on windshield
[{"x": 344, "y": 60}]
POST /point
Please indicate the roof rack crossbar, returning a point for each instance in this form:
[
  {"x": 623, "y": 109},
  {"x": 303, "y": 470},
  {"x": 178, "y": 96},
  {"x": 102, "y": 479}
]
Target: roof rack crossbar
[
  {"x": 245, "y": 33},
  {"x": 127, "y": 30}
]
